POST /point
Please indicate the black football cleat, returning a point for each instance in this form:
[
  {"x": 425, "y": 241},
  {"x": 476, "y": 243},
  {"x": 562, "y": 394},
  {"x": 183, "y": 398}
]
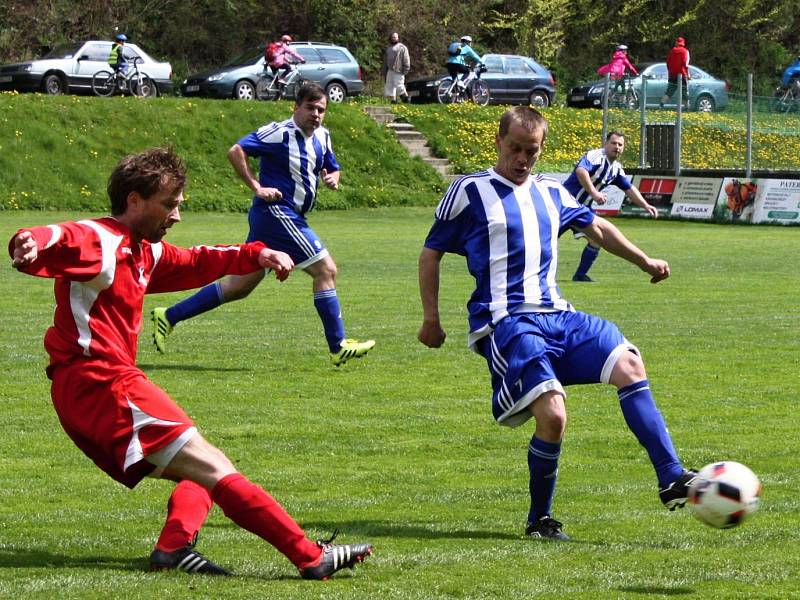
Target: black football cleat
[
  {"x": 336, "y": 557},
  {"x": 186, "y": 559},
  {"x": 676, "y": 493},
  {"x": 546, "y": 528}
]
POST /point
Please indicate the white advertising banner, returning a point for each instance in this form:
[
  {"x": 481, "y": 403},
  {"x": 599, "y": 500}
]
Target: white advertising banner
[
  {"x": 778, "y": 200},
  {"x": 695, "y": 197}
]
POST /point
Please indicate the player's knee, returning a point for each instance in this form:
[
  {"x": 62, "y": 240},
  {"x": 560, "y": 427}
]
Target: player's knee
[
  {"x": 629, "y": 369},
  {"x": 550, "y": 413}
]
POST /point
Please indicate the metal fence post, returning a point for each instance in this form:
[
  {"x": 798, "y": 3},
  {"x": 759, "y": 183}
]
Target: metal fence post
[
  {"x": 607, "y": 81},
  {"x": 748, "y": 161},
  {"x": 678, "y": 127},
  {"x": 642, "y": 123}
]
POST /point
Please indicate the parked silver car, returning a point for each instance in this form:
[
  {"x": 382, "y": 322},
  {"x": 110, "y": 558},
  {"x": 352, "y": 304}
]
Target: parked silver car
[
  {"x": 69, "y": 68},
  {"x": 331, "y": 66}
]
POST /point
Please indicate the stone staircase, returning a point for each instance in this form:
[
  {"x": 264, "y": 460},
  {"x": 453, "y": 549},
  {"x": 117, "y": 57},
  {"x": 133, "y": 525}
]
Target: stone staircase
[{"x": 411, "y": 139}]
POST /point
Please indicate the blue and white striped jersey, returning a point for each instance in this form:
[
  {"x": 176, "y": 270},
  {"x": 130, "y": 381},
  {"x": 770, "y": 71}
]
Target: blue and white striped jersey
[
  {"x": 509, "y": 234},
  {"x": 290, "y": 161},
  {"x": 602, "y": 173}
]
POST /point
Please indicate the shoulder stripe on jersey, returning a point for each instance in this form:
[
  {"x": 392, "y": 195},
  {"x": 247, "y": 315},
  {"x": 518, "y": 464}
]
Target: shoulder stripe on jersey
[{"x": 445, "y": 209}]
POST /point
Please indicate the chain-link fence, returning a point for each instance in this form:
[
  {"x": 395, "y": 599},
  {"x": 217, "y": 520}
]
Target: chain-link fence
[{"x": 721, "y": 130}]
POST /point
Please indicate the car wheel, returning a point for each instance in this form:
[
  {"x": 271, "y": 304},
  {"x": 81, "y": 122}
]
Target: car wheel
[
  {"x": 244, "y": 90},
  {"x": 539, "y": 99},
  {"x": 336, "y": 92},
  {"x": 53, "y": 84},
  {"x": 705, "y": 103}
]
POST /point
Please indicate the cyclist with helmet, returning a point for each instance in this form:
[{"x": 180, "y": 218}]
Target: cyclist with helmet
[
  {"x": 116, "y": 58},
  {"x": 791, "y": 75},
  {"x": 277, "y": 57},
  {"x": 617, "y": 67},
  {"x": 459, "y": 58}
]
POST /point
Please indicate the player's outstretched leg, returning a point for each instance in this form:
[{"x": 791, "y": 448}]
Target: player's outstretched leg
[
  {"x": 646, "y": 422},
  {"x": 335, "y": 557}
]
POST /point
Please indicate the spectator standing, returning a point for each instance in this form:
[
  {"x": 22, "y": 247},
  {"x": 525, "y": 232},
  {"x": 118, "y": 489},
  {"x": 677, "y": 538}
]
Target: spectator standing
[
  {"x": 596, "y": 170},
  {"x": 295, "y": 156},
  {"x": 677, "y": 64},
  {"x": 396, "y": 65},
  {"x": 126, "y": 424},
  {"x": 505, "y": 221}
]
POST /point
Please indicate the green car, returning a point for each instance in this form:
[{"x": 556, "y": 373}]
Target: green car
[{"x": 706, "y": 92}]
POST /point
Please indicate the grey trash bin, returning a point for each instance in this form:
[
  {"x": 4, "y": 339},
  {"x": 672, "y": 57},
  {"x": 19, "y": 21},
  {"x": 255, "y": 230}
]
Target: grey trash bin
[{"x": 660, "y": 145}]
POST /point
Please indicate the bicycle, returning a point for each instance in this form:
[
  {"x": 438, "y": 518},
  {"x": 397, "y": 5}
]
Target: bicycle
[
  {"x": 787, "y": 99},
  {"x": 274, "y": 87},
  {"x": 106, "y": 83},
  {"x": 623, "y": 94},
  {"x": 452, "y": 91}
]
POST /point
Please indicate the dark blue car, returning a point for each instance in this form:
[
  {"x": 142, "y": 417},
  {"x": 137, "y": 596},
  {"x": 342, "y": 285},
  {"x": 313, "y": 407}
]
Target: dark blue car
[{"x": 512, "y": 79}]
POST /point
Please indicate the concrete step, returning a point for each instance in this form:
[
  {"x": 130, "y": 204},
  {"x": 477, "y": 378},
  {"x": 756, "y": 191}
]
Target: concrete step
[
  {"x": 401, "y": 126},
  {"x": 441, "y": 162},
  {"x": 409, "y": 135}
]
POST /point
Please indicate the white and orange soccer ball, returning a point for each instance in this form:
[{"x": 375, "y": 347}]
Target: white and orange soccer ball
[{"x": 724, "y": 493}]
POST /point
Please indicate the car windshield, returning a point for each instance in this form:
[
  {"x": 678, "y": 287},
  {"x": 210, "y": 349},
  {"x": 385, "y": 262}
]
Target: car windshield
[
  {"x": 248, "y": 57},
  {"x": 65, "y": 51}
]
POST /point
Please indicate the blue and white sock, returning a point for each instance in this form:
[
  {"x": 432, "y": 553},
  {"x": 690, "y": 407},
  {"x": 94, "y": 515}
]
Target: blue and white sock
[
  {"x": 205, "y": 299},
  {"x": 647, "y": 424},
  {"x": 327, "y": 304},
  {"x": 543, "y": 466}
]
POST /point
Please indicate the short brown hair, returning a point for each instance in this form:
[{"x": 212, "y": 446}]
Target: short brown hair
[
  {"x": 310, "y": 92},
  {"x": 145, "y": 173},
  {"x": 529, "y": 118}
]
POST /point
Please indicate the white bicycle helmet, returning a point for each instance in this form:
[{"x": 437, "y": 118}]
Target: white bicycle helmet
[
  {"x": 466, "y": 38},
  {"x": 622, "y": 47}
]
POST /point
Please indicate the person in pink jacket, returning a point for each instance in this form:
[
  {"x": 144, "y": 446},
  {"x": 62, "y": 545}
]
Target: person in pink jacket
[
  {"x": 617, "y": 67},
  {"x": 280, "y": 55}
]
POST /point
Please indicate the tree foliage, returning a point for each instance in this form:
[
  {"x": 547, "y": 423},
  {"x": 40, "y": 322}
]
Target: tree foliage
[{"x": 572, "y": 37}]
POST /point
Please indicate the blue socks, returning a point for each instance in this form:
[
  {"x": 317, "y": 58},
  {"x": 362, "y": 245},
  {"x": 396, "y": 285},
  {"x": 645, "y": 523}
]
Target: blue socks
[
  {"x": 647, "y": 424},
  {"x": 327, "y": 304},
  {"x": 203, "y": 300},
  {"x": 543, "y": 465},
  {"x": 589, "y": 255}
]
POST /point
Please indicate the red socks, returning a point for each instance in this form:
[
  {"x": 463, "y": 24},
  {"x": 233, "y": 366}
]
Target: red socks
[
  {"x": 252, "y": 508},
  {"x": 186, "y": 512}
]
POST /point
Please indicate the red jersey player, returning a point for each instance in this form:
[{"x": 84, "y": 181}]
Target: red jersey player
[{"x": 127, "y": 425}]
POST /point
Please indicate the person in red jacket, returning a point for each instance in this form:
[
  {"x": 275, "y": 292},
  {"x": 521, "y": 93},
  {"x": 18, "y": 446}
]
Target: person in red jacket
[
  {"x": 677, "y": 64},
  {"x": 126, "y": 424}
]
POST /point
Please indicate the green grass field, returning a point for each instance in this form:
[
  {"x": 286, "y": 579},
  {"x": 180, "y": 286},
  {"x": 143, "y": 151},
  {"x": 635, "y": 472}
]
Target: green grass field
[{"x": 400, "y": 448}]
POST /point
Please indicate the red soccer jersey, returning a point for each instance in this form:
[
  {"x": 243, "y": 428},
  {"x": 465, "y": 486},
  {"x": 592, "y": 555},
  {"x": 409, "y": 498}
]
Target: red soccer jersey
[{"x": 101, "y": 279}]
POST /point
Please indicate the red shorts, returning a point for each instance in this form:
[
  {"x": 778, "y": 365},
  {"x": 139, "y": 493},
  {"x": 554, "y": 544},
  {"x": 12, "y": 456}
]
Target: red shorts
[{"x": 116, "y": 416}]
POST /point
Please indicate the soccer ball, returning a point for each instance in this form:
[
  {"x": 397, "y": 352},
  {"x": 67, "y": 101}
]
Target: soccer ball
[{"x": 724, "y": 493}]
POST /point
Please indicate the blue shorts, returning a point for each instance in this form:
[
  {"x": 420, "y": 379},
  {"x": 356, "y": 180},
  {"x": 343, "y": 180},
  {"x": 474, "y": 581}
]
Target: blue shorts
[
  {"x": 282, "y": 228},
  {"x": 532, "y": 353}
]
